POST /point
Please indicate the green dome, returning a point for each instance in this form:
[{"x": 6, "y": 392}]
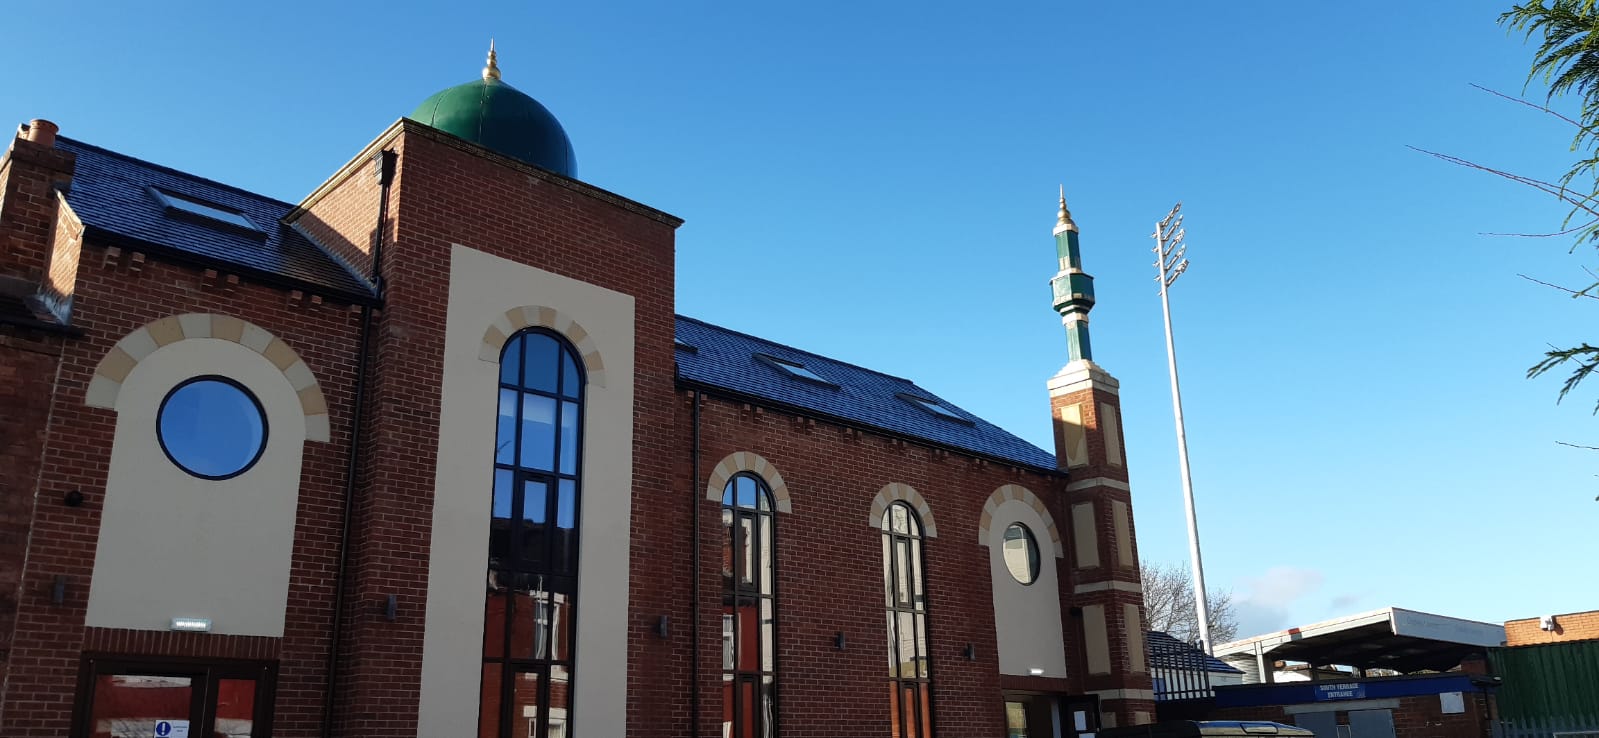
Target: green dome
[{"x": 501, "y": 118}]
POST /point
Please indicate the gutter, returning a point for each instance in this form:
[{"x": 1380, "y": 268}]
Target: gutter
[{"x": 387, "y": 161}]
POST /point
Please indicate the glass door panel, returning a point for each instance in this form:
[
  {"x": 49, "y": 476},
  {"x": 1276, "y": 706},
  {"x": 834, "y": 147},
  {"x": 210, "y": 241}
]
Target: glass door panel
[
  {"x": 140, "y": 705},
  {"x": 234, "y": 716},
  {"x": 121, "y": 699}
]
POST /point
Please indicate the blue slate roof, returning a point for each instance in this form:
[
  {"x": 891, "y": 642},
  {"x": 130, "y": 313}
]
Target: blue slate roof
[
  {"x": 1166, "y": 652},
  {"x": 111, "y": 193},
  {"x": 729, "y": 360}
]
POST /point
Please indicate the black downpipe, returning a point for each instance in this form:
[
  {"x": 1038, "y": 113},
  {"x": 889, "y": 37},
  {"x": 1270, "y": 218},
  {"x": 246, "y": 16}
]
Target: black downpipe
[
  {"x": 694, "y": 591},
  {"x": 385, "y": 161}
]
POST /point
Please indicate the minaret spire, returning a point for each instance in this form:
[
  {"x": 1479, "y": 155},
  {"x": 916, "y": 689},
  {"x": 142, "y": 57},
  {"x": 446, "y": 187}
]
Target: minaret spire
[
  {"x": 1063, "y": 219},
  {"x": 1073, "y": 288},
  {"x": 492, "y": 69}
]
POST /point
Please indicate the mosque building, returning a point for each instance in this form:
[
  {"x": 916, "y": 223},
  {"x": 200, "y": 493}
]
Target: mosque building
[{"x": 430, "y": 453}]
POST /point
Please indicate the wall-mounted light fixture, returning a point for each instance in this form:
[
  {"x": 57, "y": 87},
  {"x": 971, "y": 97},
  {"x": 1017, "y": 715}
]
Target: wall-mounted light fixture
[
  {"x": 663, "y": 627},
  {"x": 391, "y": 608},
  {"x": 72, "y": 498},
  {"x": 58, "y": 590},
  {"x": 839, "y": 641},
  {"x": 971, "y": 652},
  {"x": 196, "y": 625},
  {"x": 1035, "y": 671}
]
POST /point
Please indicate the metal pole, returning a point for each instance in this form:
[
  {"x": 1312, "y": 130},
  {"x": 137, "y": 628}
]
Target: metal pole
[{"x": 1200, "y": 605}]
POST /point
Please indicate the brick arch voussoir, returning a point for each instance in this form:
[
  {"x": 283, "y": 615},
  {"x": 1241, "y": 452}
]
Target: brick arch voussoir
[
  {"x": 538, "y": 316},
  {"x": 120, "y": 361},
  {"x": 745, "y": 461},
  {"x": 1017, "y": 492},
  {"x": 896, "y": 492}
]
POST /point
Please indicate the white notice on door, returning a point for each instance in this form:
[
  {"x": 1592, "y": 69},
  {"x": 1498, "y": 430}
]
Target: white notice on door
[
  {"x": 1452, "y": 703},
  {"x": 172, "y": 729}
]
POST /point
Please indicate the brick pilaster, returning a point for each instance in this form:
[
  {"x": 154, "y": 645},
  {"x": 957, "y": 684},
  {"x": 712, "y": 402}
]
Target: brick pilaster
[{"x": 1102, "y": 592}]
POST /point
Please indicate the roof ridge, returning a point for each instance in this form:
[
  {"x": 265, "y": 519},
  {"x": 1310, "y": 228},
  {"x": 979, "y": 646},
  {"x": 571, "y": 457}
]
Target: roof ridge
[
  {"x": 823, "y": 357},
  {"x": 173, "y": 171}
]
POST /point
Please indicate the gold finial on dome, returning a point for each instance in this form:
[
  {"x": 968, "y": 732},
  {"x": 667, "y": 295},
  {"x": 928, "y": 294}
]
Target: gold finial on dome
[
  {"x": 1063, "y": 219},
  {"x": 492, "y": 70}
]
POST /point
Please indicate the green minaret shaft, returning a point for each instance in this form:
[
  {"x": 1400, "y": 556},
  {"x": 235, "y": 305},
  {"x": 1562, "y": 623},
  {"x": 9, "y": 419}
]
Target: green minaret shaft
[{"x": 1074, "y": 289}]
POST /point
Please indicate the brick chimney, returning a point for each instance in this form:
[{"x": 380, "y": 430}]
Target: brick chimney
[{"x": 31, "y": 172}]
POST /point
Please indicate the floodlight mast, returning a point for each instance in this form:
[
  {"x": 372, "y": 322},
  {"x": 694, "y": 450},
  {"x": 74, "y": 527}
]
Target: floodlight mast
[{"x": 1169, "y": 260}]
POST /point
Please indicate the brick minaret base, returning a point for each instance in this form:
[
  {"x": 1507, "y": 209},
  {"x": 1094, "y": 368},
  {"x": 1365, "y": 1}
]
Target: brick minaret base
[{"x": 1104, "y": 577}]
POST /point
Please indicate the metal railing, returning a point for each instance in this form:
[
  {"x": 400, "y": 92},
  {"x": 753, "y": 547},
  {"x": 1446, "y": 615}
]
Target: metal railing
[
  {"x": 1553, "y": 727},
  {"x": 1178, "y": 670}
]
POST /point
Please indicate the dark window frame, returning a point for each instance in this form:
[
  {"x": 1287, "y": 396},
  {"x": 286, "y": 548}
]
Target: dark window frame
[
  {"x": 172, "y": 204},
  {"x": 1035, "y": 554},
  {"x": 161, "y": 436},
  {"x": 763, "y": 513},
  {"x": 204, "y": 673},
  {"x": 789, "y": 366},
  {"x": 912, "y": 543},
  {"x": 512, "y": 573},
  {"x": 936, "y": 409}
]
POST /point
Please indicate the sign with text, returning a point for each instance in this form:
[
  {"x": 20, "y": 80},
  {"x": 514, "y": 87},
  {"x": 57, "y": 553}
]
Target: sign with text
[
  {"x": 172, "y": 729},
  {"x": 1340, "y": 691}
]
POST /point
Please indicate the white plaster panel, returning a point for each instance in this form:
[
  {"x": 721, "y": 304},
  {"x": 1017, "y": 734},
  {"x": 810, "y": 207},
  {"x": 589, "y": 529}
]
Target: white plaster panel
[
  {"x": 1122, "y": 518},
  {"x": 174, "y": 545},
  {"x": 1096, "y": 639},
  {"x": 1076, "y": 440},
  {"x": 1027, "y": 620},
  {"x": 1112, "y": 424},
  {"x": 482, "y": 288},
  {"x": 1133, "y": 628},
  {"x": 1085, "y": 535}
]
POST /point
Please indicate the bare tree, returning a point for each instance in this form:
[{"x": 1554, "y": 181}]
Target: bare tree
[{"x": 1169, "y": 604}]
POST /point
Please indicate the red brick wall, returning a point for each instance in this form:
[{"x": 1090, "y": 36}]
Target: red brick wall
[
  {"x": 27, "y": 372},
  {"x": 112, "y": 300},
  {"x": 343, "y": 215},
  {"x": 65, "y": 251},
  {"x": 447, "y": 193},
  {"x": 29, "y": 173},
  {"x": 1419, "y": 716},
  {"x": 1110, "y": 570},
  {"x": 830, "y": 576},
  {"x": 1576, "y": 626}
]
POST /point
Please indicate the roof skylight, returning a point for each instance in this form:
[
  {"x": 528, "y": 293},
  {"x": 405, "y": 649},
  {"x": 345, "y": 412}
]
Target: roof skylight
[
  {"x": 796, "y": 370},
  {"x": 206, "y": 210},
  {"x": 934, "y": 407},
  {"x": 680, "y": 345}
]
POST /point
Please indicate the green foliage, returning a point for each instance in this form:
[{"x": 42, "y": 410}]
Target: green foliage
[
  {"x": 1586, "y": 357},
  {"x": 1567, "y": 60}
]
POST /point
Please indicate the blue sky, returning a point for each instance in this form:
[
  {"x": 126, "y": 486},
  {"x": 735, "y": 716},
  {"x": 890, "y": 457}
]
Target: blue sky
[{"x": 883, "y": 175}]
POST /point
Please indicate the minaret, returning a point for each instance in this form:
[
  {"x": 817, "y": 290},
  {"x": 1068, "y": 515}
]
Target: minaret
[
  {"x": 1074, "y": 289},
  {"x": 1105, "y": 636}
]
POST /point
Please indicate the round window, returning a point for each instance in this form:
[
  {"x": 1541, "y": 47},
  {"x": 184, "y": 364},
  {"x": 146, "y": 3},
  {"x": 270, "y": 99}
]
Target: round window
[
  {"x": 212, "y": 427},
  {"x": 1021, "y": 553}
]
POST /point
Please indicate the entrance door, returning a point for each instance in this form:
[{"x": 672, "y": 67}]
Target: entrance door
[
  {"x": 1371, "y": 724},
  {"x": 145, "y": 699},
  {"x": 1022, "y": 718},
  {"x": 1079, "y": 716},
  {"x": 1049, "y": 716}
]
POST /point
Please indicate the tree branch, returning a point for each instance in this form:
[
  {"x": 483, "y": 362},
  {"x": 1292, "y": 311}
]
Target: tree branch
[
  {"x": 1533, "y": 105},
  {"x": 1568, "y": 290}
]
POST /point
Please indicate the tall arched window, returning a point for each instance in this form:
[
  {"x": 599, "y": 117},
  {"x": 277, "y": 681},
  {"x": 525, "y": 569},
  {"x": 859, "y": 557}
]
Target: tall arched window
[
  {"x": 749, "y": 612},
  {"x": 531, "y": 606},
  {"x": 905, "y": 599}
]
